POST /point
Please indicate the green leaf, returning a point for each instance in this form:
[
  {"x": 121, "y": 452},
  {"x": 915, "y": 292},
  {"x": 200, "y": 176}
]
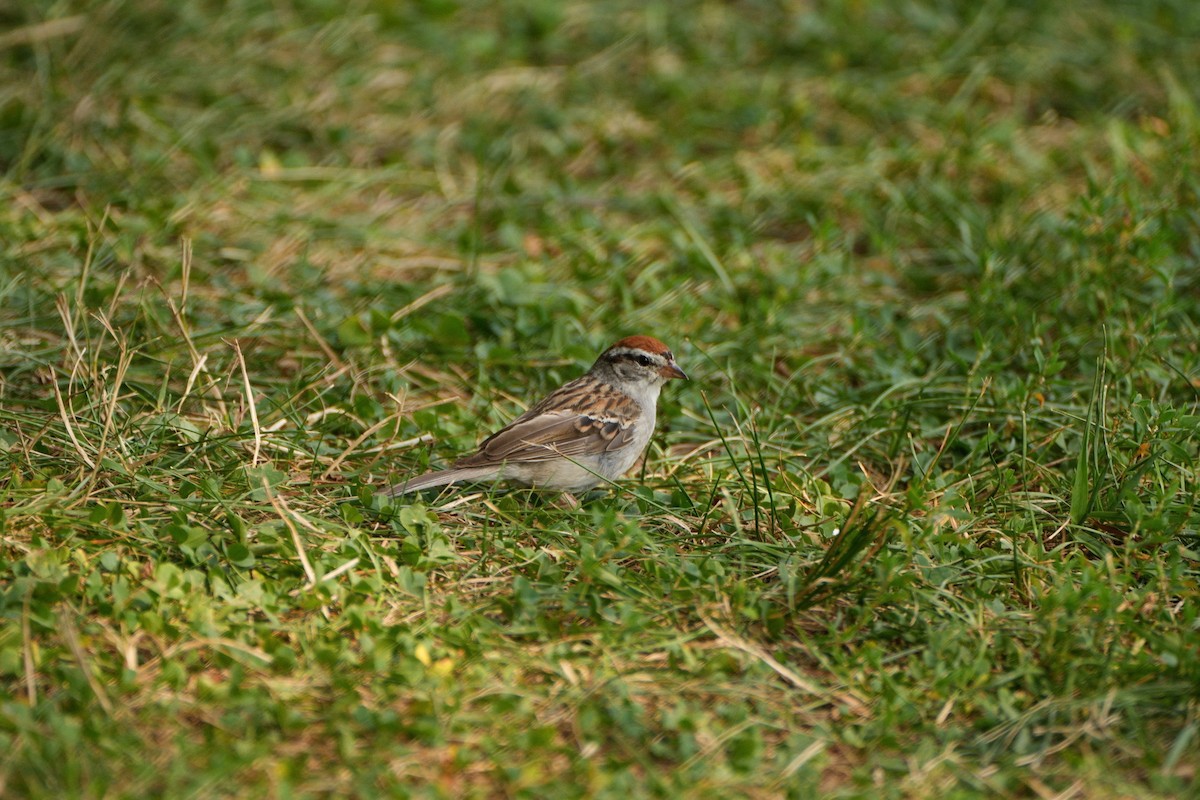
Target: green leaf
[
  {"x": 352, "y": 332},
  {"x": 239, "y": 555},
  {"x": 262, "y": 478}
]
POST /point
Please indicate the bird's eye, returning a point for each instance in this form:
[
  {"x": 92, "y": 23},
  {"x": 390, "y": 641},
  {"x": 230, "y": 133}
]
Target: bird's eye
[{"x": 643, "y": 360}]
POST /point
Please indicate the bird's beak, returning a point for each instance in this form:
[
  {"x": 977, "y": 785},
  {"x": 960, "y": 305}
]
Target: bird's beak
[{"x": 672, "y": 370}]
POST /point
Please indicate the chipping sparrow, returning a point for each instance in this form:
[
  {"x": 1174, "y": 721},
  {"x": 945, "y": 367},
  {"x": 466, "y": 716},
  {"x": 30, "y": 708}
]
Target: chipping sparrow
[{"x": 586, "y": 432}]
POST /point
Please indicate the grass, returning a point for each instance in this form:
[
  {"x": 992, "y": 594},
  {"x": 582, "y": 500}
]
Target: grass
[{"x": 924, "y": 522}]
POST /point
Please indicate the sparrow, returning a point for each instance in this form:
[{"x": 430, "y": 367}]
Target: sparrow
[{"x": 589, "y": 431}]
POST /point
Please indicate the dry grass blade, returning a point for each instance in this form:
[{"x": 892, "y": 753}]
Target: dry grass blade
[
  {"x": 43, "y": 32},
  {"x": 70, "y": 635},
  {"x": 855, "y": 704},
  {"x": 256, "y": 456}
]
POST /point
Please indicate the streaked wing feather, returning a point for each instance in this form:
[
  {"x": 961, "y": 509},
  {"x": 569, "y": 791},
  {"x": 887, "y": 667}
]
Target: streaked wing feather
[
  {"x": 549, "y": 436},
  {"x": 559, "y": 426}
]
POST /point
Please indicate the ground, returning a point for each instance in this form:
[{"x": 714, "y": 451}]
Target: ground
[{"x": 922, "y": 524}]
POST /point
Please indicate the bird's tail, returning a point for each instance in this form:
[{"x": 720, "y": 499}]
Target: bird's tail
[{"x": 431, "y": 480}]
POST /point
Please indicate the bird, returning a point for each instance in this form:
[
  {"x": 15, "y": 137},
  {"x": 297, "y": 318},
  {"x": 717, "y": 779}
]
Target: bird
[{"x": 589, "y": 431}]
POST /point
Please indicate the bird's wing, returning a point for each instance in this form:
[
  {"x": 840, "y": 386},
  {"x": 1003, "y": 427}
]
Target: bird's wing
[{"x": 551, "y": 435}]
